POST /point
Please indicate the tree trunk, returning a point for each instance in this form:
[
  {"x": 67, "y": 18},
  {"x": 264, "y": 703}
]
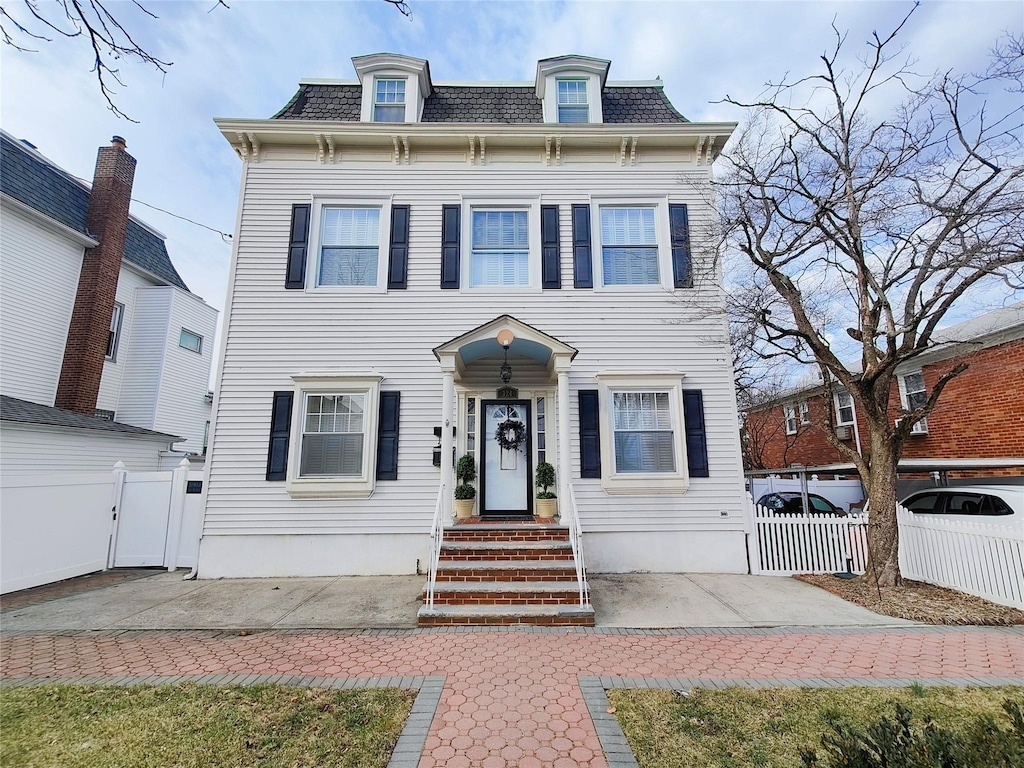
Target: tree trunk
[{"x": 883, "y": 566}]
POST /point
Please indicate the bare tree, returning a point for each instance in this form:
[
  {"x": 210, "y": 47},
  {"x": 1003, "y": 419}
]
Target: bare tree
[
  {"x": 870, "y": 200},
  {"x": 107, "y": 34}
]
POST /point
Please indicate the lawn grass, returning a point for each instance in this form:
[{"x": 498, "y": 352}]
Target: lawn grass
[
  {"x": 767, "y": 728},
  {"x": 197, "y": 725}
]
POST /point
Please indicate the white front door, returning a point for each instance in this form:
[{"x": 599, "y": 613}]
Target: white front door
[{"x": 505, "y": 479}]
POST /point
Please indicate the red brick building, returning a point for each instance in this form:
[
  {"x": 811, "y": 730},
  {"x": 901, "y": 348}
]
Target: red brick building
[{"x": 980, "y": 414}]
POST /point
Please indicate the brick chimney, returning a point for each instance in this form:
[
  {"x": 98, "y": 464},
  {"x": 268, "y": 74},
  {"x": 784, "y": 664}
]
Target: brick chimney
[{"x": 107, "y": 221}]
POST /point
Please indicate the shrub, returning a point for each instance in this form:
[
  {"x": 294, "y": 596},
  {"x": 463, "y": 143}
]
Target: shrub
[
  {"x": 898, "y": 743},
  {"x": 545, "y": 478},
  {"x": 465, "y": 472}
]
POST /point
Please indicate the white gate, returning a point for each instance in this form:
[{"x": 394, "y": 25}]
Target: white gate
[{"x": 157, "y": 518}]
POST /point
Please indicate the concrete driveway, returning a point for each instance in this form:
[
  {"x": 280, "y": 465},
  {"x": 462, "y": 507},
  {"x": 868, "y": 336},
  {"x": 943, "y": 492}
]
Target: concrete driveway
[{"x": 164, "y": 601}]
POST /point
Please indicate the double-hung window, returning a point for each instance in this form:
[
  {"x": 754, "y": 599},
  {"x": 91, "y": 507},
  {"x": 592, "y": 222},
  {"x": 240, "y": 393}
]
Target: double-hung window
[
  {"x": 915, "y": 394},
  {"x": 789, "y": 410},
  {"x": 642, "y": 432},
  {"x": 389, "y": 101},
  {"x": 349, "y": 246},
  {"x": 115, "y": 332},
  {"x": 805, "y": 412},
  {"x": 333, "y": 435},
  {"x": 844, "y": 407},
  {"x": 573, "y": 106},
  {"x": 500, "y": 254},
  {"x": 629, "y": 246}
]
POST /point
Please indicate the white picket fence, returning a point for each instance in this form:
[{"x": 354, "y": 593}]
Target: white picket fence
[
  {"x": 788, "y": 544},
  {"x": 976, "y": 558}
]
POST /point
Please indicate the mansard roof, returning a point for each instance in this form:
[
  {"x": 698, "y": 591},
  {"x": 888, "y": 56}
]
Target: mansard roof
[
  {"x": 32, "y": 180},
  {"x": 509, "y": 104}
]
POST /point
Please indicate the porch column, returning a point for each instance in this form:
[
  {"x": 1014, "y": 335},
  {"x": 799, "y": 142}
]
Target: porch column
[
  {"x": 447, "y": 436},
  {"x": 564, "y": 463}
]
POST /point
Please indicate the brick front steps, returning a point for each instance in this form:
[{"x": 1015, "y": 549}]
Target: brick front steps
[{"x": 507, "y": 573}]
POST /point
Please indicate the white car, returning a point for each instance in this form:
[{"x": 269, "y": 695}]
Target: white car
[{"x": 992, "y": 504}]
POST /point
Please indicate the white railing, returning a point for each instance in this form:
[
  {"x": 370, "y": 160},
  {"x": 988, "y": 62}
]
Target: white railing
[
  {"x": 983, "y": 559},
  {"x": 436, "y": 539},
  {"x": 571, "y": 518},
  {"x": 788, "y": 544}
]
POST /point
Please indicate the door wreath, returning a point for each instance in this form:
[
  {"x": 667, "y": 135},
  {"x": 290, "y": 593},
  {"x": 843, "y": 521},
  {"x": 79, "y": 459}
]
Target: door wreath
[{"x": 510, "y": 435}]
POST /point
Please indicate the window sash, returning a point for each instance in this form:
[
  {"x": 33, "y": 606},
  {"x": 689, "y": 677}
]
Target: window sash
[
  {"x": 844, "y": 408},
  {"x": 643, "y": 433},
  {"x": 115, "y": 331},
  {"x": 790, "y": 414},
  {"x": 917, "y": 393},
  {"x": 333, "y": 435},
  {"x": 349, "y": 246},
  {"x": 190, "y": 341},
  {"x": 389, "y": 101},
  {"x": 573, "y": 106},
  {"x": 805, "y": 412},
  {"x": 629, "y": 246},
  {"x": 500, "y": 254}
]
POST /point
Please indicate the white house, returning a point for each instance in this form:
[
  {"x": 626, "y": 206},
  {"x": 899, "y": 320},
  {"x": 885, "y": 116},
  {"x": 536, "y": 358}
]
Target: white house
[
  {"x": 94, "y": 319},
  {"x": 390, "y": 227}
]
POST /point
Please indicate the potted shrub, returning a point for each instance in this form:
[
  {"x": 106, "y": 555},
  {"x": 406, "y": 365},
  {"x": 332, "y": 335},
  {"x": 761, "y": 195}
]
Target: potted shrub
[
  {"x": 465, "y": 494},
  {"x": 547, "y": 503}
]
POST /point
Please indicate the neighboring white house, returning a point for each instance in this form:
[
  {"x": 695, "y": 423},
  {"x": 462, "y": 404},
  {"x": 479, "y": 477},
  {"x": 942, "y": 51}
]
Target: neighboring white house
[
  {"x": 390, "y": 229},
  {"x": 145, "y": 362}
]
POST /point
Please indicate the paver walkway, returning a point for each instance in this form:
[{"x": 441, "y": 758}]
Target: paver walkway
[{"x": 512, "y": 698}]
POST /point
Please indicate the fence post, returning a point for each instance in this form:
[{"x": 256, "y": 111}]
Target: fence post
[
  {"x": 176, "y": 512},
  {"x": 120, "y": 472}
]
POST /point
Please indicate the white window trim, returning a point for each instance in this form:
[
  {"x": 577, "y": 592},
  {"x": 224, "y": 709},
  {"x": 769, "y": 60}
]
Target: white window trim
[
  {"x": 550, "y": 97},
  {"x": 921, "y": 425},
  {"x": 383, "y": 240},
  {"x": 633, "y": 482},
  {"x": 666, "y": 280},
  {"x": 532, "y": 206},
  {"x": 193, "y": 333},
  {"x": 789, "y": 416},
  {"x": 360, "y": 487},
  {"x": 588, "y": 90},
  {"x": 836, "y": 406},
  {"x": 804, "y": 410}
]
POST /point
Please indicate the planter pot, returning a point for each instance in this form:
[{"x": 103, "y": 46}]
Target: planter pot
[
  {"x": 464, "y": 507},
  {"x": 546, "y": 507}
]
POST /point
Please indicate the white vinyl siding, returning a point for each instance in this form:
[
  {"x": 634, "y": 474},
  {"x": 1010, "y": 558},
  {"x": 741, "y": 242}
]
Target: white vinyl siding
[
  {"x": 642, "y": 432},
  {"x": 32, "y": 449},
  {"x": 349, "y": 246},
  {"x": 501, "y": 248},
  {"x": 38, "y": 281},
  {"x": 272, "y": 334},
  {"x": 129, "y": 282},
  {"x": 389, "y": 101},
  {"x": 572, "y": 101},
  {"x": 629, "y": 246}
]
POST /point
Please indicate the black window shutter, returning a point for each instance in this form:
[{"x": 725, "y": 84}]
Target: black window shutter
[
  {"x": 551, "y": 263},
  {"x": 590, "y": 434},
  {"x": 298, "y": 243},
  {"x": 682, "y": 266},
  {"x": 696, "y": 435},
  {"x": 398, "y": 262},
  {"x": 450, "y": 215},
  {"x": 387, "y": 436},
  {"x": 582, "y": 266},
  {"x": 280, "y": 429}
]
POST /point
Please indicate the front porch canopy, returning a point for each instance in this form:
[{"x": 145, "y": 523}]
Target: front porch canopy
[{"x": 455, "y": 355}]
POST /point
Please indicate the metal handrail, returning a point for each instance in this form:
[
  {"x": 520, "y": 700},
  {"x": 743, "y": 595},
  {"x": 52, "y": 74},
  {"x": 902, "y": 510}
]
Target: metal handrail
[
  {"x": 436, "y": 538},
  {"x": 576, "y": 540}
]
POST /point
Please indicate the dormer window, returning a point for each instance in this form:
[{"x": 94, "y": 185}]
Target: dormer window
[
  {"x": 389, "y": 101},
  {"x": 572, "y": 101}
]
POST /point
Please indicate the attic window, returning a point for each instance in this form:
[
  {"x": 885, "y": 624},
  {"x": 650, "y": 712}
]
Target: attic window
[
  {"x": 389, "y": 101},
  {"x": 572, "y": 101}
]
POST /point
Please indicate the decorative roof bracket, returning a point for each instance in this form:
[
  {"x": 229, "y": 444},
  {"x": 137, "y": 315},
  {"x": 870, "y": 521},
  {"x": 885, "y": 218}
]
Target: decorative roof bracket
[
  {"x": 320, "y": 148},
  {"x": 330, "y": 147},
  {"x": 547, "y": 150},
  {"x": 243, "y": 146},
  {"x": 483, "y": 150},
  {"x": 398, "y": 152},
  {"x": 405, "y": 147},
  {"x": 558, "y": 150},
  {"x": 632, "y": 151},
  {"x": 700, "y": 149},
  {"x": 622, "y": 150},
  {"x": 255, "y": 147},
  {"x": 472, "y": 150}
]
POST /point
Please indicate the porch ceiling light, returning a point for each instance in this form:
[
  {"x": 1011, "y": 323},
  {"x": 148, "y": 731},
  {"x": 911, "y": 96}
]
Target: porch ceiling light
[{"x": 505, "y": 338}]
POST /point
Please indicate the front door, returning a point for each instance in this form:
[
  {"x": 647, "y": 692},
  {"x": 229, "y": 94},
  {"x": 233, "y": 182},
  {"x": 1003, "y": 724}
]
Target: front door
[{"x": 506, "y": 447}]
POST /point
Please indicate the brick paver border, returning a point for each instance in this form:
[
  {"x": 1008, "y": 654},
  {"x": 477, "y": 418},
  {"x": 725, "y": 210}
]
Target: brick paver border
[{"x": 408, "y": 748}]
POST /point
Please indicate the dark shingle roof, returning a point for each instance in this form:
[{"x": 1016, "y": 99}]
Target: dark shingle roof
[
  {"x": 54, "y": 193},
  {"x": 481, "y": 104},
  {"x": 13, "y": 409}
]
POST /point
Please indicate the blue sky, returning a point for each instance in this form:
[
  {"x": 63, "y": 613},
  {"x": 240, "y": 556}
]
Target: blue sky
[{"x": 246, "y": 61}]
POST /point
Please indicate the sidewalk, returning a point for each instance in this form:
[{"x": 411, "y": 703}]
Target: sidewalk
[{"x": 520, "y": 697}]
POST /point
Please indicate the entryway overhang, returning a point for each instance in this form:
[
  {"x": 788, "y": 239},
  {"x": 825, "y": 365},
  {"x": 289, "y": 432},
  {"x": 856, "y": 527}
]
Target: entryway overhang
[{"x": 482, "y": 341}]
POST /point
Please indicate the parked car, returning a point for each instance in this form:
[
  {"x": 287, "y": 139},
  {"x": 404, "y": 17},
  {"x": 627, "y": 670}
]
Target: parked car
[
  {"x": 995, "y": 504},
  {"x": 791, "y": 503}
]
